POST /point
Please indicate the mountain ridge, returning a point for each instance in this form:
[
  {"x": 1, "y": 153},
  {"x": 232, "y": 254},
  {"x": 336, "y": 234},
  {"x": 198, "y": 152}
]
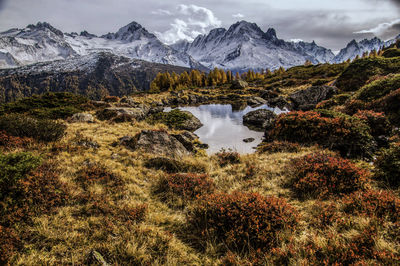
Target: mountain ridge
[{"x": 241, "y": 47}]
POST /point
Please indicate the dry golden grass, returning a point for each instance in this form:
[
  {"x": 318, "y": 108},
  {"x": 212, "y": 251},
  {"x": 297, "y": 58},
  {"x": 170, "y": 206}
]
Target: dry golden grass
[{"x": 68, "y": 236}]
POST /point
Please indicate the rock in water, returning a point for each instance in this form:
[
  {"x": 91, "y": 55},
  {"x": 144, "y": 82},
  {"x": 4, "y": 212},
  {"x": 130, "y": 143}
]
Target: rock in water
[
  {"x": 307, "y": 99},
  {"x": 260, "y": 118},
  {"x": 248, "y": 140}
]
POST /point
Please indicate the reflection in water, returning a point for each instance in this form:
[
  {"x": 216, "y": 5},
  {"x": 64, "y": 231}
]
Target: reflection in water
[{"x": 223, "y": 128}]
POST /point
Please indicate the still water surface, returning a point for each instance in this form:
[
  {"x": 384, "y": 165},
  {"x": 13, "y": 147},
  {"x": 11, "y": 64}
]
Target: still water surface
[{"x": 223, "y": 128}]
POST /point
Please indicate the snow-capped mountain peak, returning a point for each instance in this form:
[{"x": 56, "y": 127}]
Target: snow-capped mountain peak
[
  {"x": 244, "y": 29},
  {"x": 131, "y": 32}
]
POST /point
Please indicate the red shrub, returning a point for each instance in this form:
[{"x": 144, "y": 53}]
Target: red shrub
[
  {"x": 10, "y": 142},
  {"x": 322, "y": 175},
  {"x": 243, "y": 221},
  {"x": 348, "y": 135},
  {"x": 278, "y": 146},
  {"x": 355, "y": 251},
  {"x": 326, "y": 214},
  {"x": 378, "y": 122},
  {"x": 9, "y": 244},
  {"x": 227, "y": 157},
  {"x": 381, "y": 204},
  {"x": 354, "y": 106},
  {"x": 390, "y": 104},
  {"x": 187, "y": 186},
  {"x": 97, "y": 173}
]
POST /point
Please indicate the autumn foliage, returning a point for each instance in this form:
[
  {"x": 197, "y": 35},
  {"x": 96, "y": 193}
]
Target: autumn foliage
[
  {"x": 187, "y": 186},
  {"x": 348, "y": 135},
  {"x": 381, "y": 204},
  {"x": 245, "y": 222},
  {"x": 323, "y": 175}
]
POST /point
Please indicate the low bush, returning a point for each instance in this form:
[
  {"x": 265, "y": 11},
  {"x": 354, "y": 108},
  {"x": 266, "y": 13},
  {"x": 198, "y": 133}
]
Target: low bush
[
  {"x": 9, "y": 244},
  {"x": 39, "y": 129},
  {"x": 387, "y": 166},
  {"x": 381, "y": 204},
  {"x": 58, "y": 105},
  {"x": 390, "y": 105},
  {"x": 98, "y": 174},
  {"x": 244, "y": 222},
  {"x": 185, "y": 186},
  {"x": 359, "y": 72},
  {"x": 379, "y": 88},
  {"x": 334, "y": 101},
  {"x": 392, "y": 52},
  {"x": 227, "y": 157},
  {"x": 378, "y": 122},
  {"x": 278, "y": 146},
  {"x": 10, "y": 142},
  {"x": 356, "y": 250},
  {"x": 14, "y": 167},
  {"x": 170, "y": 165},
  {"x": 174, "y": 119},
  {"x": 348, "y": 135},
  {"x": 325, "y": 214},
  {"x": 322, "y": 175}
]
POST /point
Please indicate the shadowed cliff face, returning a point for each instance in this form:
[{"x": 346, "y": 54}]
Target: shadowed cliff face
[{"x": 95, "y": 76}]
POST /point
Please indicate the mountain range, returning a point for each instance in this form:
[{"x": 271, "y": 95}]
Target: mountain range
[{"x": 241, "y": 47}]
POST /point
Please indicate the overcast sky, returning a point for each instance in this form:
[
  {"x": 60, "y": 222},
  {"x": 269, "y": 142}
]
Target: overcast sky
[{"x": 330, "y": 23}]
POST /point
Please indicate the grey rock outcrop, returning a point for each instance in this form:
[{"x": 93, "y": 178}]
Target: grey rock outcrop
[
  {"x": 82, "y": 118},
  {"x": 156, "y": 142},
  {"x": 307, "y": 99},
  {"x": 260, "y": 118},
  {"x": 239, "y": 84}
]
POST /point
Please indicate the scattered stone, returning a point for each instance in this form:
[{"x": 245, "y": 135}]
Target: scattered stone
[
  {"x": 96, "y": 258},
  {"x": 256, "y": 101},
  {"x": 307, "y": 99},
  {"x": 239, "y": 84},
  {"x": 129, "y": 101},
  {"x": 82, "y": 118},
  {"x": 88, "y": 144},
  {"x": 260, "y": 118},
  {"x": 113, "y": 112},
  {"x": 248, "y": 140},
  {"x": 280, "y": 102}
]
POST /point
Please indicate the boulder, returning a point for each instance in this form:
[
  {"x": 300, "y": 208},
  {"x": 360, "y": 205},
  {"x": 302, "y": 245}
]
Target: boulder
[
  {"x": 256, "y": 101},
  {"x": 82, "y": 118},
  {"x": 156, "y": 142},
  {"x": 129, "y": 101},
  {"x": 280, "y": 102},
  {"x": 248, "y": 140},
  {"x": 187, "y": 139},
  {"x": 113, "y": 112},
  {"x": 192, "y": 123},
  {"x": 307, "y": 99},
  {"x": 260, "y": 118},
  {"x": 239, "y": 84}
]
